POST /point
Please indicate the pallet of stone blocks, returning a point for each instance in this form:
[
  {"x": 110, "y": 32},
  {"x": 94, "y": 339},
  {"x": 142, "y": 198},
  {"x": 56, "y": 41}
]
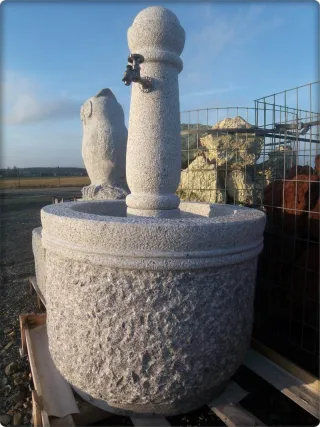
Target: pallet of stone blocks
[{"x": 266, "y": 390}]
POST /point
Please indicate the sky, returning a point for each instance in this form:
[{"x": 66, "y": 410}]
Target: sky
[{"x": 56, "y": 55}]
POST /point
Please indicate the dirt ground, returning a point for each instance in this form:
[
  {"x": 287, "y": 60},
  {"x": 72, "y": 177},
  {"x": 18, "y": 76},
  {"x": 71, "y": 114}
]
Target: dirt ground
[
  {"x": 43, "y": 182},
  {"x": 20, "y": 213}
]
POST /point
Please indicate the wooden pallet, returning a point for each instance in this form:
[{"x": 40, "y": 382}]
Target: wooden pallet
[{"x": 295, "y": 383}]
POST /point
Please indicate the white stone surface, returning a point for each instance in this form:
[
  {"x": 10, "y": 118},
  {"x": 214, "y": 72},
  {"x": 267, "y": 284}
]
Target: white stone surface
[
  {"x": 148, "y": 315},
  {"x": 154, "y": 144},
  {"x": 104, "y": 147},
  {"x": 100, "y": 232}
]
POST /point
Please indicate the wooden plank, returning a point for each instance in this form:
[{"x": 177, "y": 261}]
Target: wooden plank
[
  {"x": 36, "y": 411},
  {"x": 45, "y": 419},
  {"x": 235, "y": 416},
  {"x": 38, "y": 397},
  {"x": 226, "y": 408},
  {"x": 33, "y": 320},
  {"x": 39, "y": 416},
  {"x": 301, "y": 393},
  {"x": 286, "y": 364},
  {"x": 57, "y": 395},
  {"x": 29, "y": 321},
  {"x": 23, "y": 348},
  {"x": 35, "y": 377},
  {"x": 233, "y": 393},
  {"x": 149, "y": 422}
]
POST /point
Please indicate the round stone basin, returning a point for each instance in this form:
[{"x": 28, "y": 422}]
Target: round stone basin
[{"x": 145, "y": 315}]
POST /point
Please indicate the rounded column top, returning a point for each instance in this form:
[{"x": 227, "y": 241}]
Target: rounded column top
[{"x": 155, "y": 32}]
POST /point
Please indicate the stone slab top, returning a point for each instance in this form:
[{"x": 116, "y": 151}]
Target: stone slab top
[{"x": 204, "y": 235}]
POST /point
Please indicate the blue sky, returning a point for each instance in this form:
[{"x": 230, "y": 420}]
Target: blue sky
[{"x": 55, "y": 55}]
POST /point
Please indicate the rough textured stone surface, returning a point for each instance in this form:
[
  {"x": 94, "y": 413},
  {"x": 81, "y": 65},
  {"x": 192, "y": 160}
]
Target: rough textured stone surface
[
  {"x": 223, "y": 172},
  {"x": 144, "y": 314},
  {"x": 279, "y": 162},
  {"x": 154, "y": 142},
  {"x": 129, "y": 337},
  {"x": 199, "y": 182},
  {"x": 232, "y": 150},
  {"x": 103, "y": 192},
  {"x": 294, "y": 203},
  {"x": 241, "y": 189},
  {"x": 104, "y": 146},
  {"x": 298, "y": 170}
]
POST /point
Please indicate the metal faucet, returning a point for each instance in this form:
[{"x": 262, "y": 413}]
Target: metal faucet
[{"x": 132, "y": 73}]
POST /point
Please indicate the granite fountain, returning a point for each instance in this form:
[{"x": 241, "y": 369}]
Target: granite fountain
[{"x": 149, "y": 299}]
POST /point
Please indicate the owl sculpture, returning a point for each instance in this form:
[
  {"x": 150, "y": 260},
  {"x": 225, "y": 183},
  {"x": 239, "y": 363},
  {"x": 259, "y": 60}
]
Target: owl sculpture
[{"x": 104, "y": 146}]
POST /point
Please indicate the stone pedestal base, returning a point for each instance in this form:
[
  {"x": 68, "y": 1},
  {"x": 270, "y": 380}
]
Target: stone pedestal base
[{"x": 149, "y": 315}]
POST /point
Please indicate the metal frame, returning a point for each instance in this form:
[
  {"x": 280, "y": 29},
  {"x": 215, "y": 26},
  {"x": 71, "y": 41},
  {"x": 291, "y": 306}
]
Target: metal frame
[{"x": 287, "y": 303}]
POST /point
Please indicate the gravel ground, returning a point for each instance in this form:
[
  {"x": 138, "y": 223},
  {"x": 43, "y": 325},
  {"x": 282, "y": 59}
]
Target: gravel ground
[{"x": 20, "y": 213}]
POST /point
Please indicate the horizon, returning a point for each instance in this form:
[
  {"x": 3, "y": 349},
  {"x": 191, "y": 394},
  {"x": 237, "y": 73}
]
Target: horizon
[{"x": 57, "y": 55}]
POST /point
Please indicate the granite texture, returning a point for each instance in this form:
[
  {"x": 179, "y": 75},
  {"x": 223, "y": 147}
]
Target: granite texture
[
  {"x": 100, "y": 232},
  {"x": 104, "y": 147},
  {"x": 103, "y": 192},
  {"x": 148, "y": 341},
  {"x": 154, "y": 143},
  {"x": 148, "y": 315}
]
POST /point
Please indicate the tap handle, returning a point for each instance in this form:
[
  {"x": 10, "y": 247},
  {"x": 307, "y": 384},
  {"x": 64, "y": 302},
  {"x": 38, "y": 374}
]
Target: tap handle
[
  {"x": 135, "y": 59},
  {"x": 127, "y": 77},
  {"x": 132, "y": 73}
]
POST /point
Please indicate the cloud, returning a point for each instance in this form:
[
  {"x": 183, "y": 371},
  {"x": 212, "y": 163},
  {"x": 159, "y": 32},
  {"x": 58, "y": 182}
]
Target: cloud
[
  {"x": 216, "y": 36},
  {"x": 223, "y": 32},
  {"x": 26, "y": 102},
  {"x": 30, "y": 109},
  {"x": 222, "y": 36}
]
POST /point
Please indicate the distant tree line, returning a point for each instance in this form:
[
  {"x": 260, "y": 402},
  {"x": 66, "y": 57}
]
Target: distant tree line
[{"x": 42, "y": 171}]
